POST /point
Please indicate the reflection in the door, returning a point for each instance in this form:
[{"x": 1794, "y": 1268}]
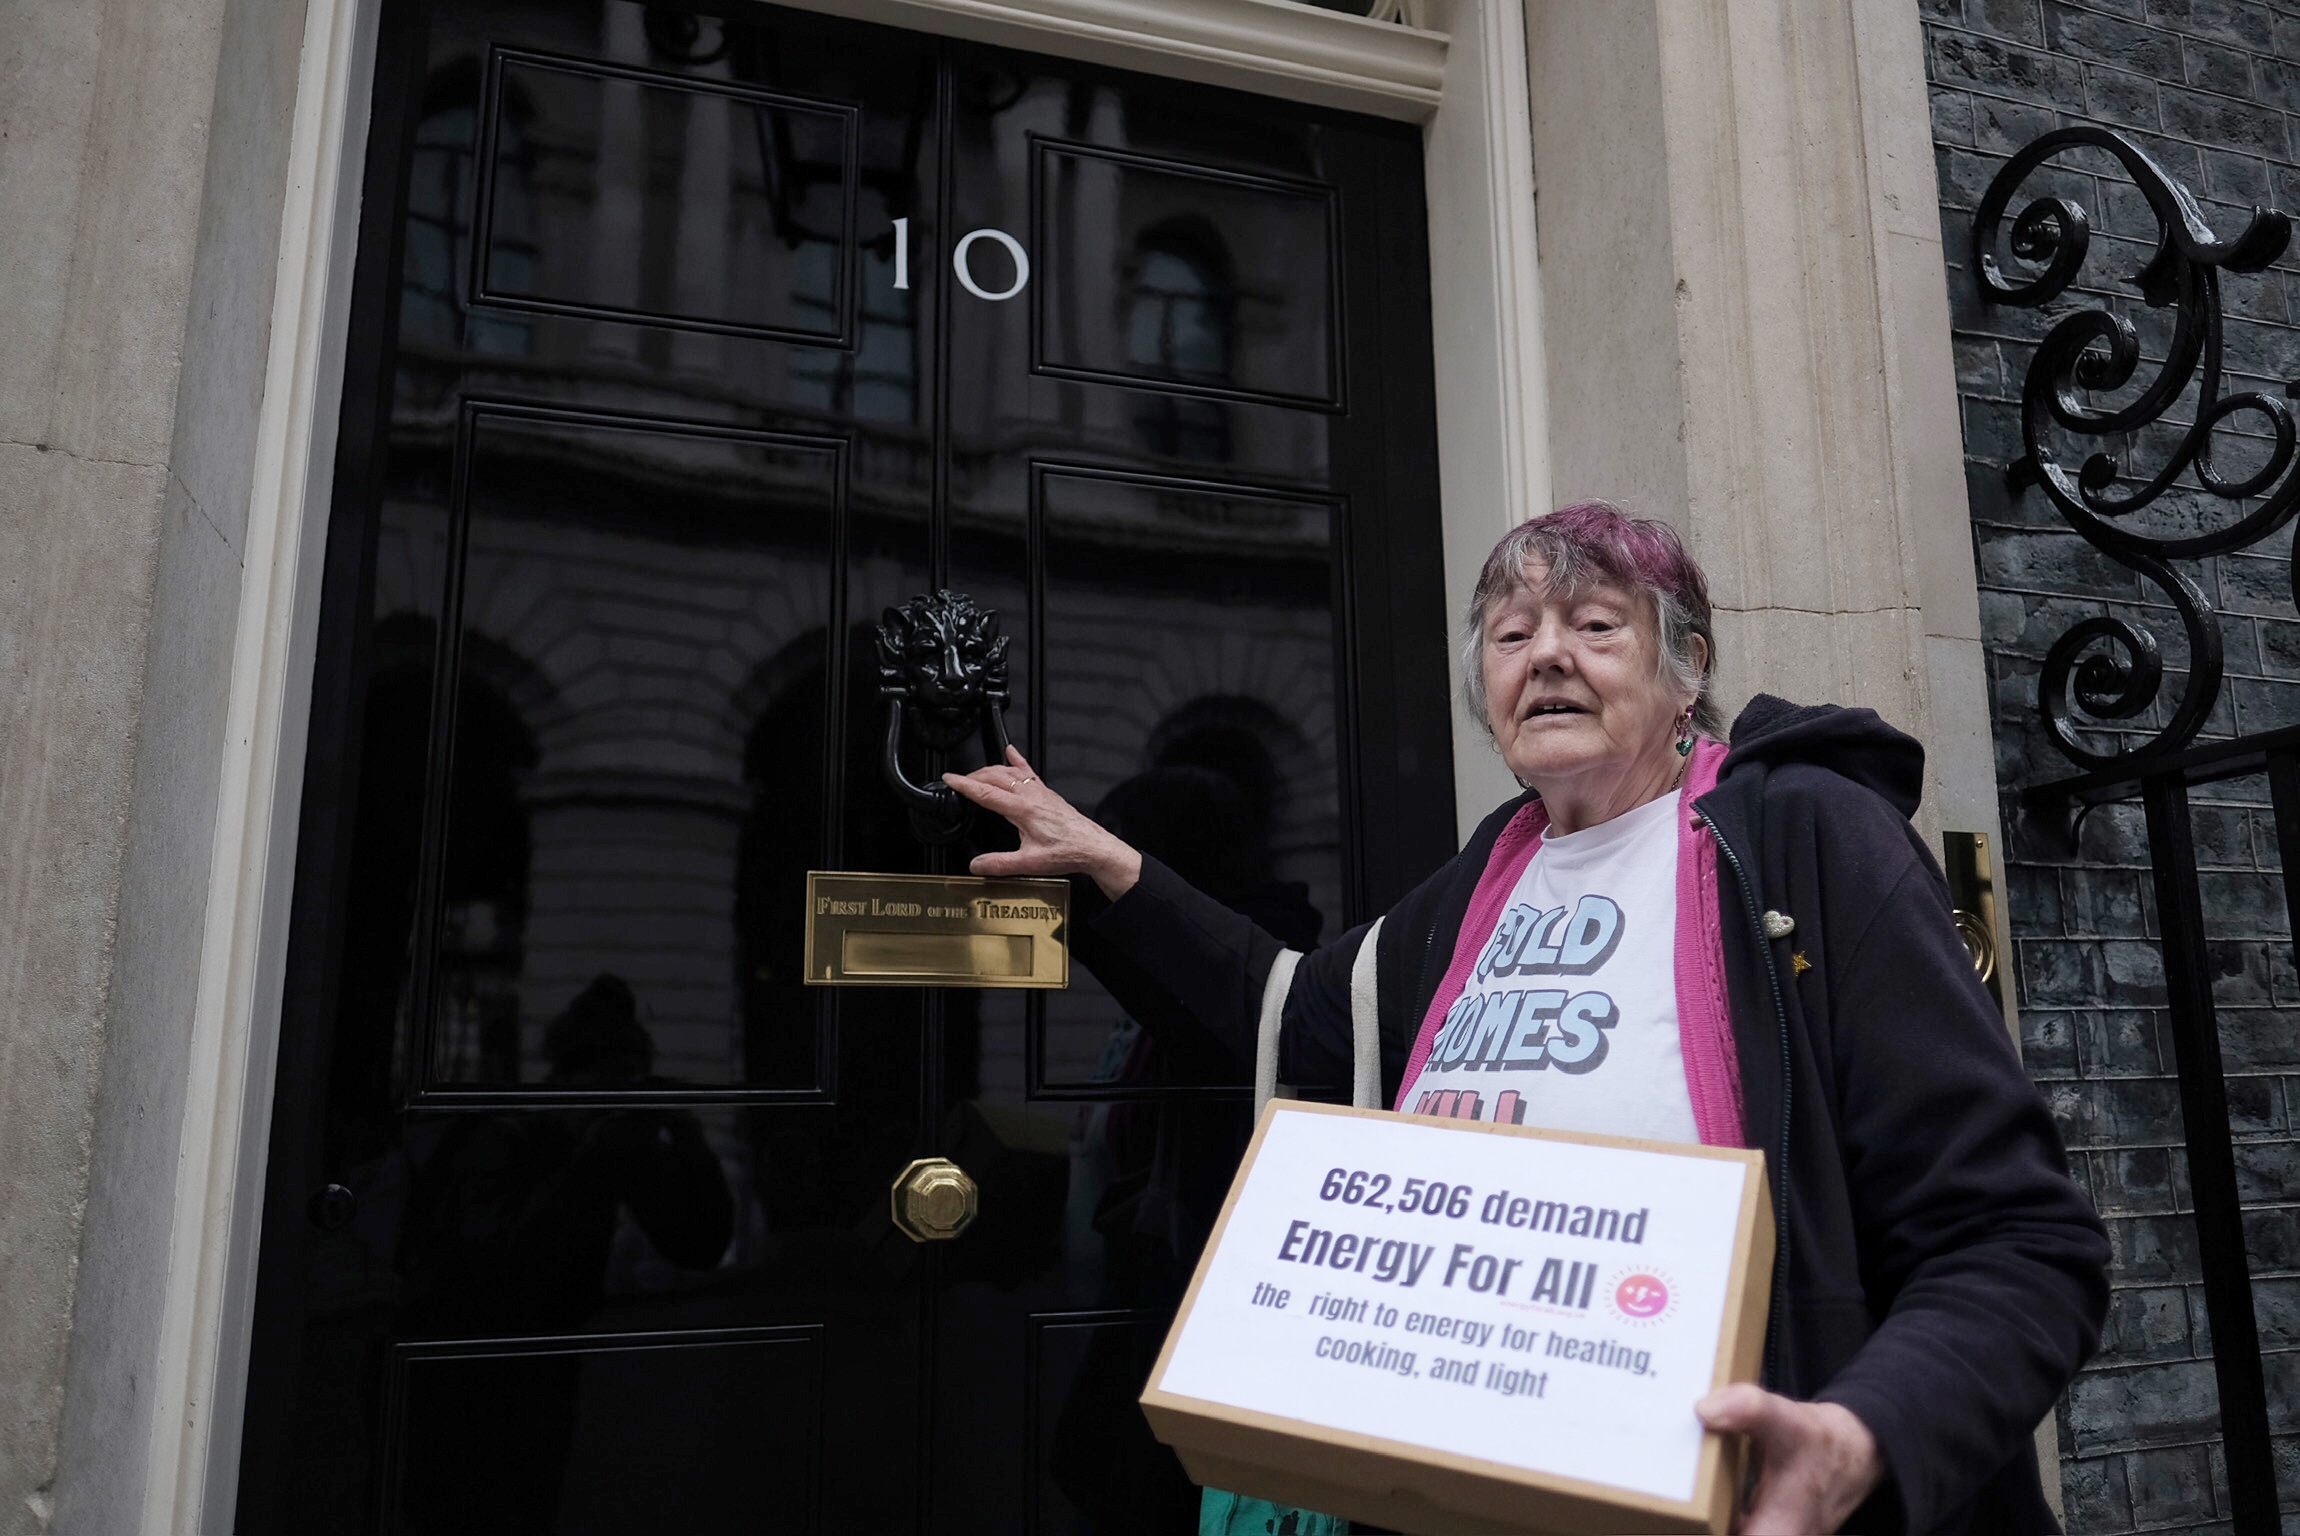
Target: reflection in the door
[
  {"x": 618, "y": 636},
  {"x": 652, "y": 436}
]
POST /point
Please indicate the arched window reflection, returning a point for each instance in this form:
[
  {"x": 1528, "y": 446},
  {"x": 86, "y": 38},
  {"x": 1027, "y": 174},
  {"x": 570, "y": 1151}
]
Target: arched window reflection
[
  {"x": 442, "y": 191},
  {"x": 878, "y": 379},
  {"x": 1179, "y": 322},
  {"x": 1180, "y": 318}
]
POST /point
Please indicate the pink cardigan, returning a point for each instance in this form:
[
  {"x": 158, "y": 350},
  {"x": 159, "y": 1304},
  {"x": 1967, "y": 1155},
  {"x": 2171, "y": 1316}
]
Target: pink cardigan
[{"x": 1704, "y": 1028}]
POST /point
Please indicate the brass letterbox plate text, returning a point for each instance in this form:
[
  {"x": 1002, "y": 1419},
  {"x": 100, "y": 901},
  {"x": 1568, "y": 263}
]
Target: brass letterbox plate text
[{"x": 936, "y": 931}]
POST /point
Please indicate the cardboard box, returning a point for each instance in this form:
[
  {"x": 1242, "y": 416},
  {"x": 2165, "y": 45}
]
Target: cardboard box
[{"x": 1449, "y": 1326}]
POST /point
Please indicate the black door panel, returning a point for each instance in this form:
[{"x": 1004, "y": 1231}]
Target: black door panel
[
  {"x": 683, "y": 346},
  {"x": 691, "y": 1431}
]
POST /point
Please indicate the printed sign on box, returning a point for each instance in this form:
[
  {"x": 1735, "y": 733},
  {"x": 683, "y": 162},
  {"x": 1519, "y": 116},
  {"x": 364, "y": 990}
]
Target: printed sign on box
[{"x": 1453, "y": 1326}]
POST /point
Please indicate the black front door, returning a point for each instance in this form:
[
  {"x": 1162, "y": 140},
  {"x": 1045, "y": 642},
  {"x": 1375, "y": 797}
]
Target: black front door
[{"x": 683, "y": 346}]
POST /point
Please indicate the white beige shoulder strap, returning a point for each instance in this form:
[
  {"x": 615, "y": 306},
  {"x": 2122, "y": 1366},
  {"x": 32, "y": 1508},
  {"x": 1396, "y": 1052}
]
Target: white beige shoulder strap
[
  {"x": 1266, "y": 1031},
  {"x": 1365, "y": 1026}
]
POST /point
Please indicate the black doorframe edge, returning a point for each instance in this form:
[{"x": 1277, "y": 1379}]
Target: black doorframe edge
[{"x": 331, "y": 771}]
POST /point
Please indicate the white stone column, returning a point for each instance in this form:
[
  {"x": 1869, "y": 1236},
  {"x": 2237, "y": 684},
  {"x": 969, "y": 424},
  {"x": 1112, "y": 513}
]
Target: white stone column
[
  {"x": 700, "y": 281},
  {"x": 619, "y": 183},
  {"x": 1748, "y": 334},
  {"x": 144, "y": 171}
]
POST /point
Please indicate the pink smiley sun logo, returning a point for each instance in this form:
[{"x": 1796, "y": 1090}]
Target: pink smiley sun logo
[{"x": 1641, "y": 1296}]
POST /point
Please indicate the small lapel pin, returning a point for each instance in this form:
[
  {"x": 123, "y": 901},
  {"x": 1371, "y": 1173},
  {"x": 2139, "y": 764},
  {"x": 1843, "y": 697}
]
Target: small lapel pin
[
  {"x": 1798, "y": 964},
  {"x": 1779, "y": 925}
]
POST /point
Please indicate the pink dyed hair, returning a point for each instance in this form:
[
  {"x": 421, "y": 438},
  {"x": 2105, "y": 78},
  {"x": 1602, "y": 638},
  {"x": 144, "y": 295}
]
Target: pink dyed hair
[{"x": 1590, "y": 542}]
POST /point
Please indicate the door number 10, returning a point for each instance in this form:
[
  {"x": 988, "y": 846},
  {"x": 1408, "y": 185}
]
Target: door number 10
[{"x": 958, "y": 261}]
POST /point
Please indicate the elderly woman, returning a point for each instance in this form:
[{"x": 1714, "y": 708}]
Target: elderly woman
[{"x": 1761, "y": 954}]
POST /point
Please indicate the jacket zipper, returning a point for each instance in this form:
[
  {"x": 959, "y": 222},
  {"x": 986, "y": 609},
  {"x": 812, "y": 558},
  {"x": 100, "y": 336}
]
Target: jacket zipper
[{"x": 1781, "y": 1160}]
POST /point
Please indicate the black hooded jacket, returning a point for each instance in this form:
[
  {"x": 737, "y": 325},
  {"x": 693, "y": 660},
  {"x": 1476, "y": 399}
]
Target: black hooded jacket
[{"x": 1939, "y": 1274}]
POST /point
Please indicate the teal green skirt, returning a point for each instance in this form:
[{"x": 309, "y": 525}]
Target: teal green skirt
[{"x": 1221, "y": 1513}]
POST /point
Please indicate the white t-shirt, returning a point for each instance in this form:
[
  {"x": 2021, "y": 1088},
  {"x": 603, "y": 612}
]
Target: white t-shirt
[{"x": 1569, "y": 1018}]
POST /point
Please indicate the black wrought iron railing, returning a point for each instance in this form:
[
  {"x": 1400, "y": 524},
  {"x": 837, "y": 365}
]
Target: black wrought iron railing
[{"x": 2175, "y": 468}]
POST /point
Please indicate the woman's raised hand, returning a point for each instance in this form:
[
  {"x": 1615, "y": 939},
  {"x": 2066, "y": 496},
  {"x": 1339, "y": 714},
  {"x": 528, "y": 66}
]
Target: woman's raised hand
[{"x": 1057, "y": 837}]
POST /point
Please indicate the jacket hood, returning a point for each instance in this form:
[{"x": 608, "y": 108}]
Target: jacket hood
[{"x": 1853, "y": 743}]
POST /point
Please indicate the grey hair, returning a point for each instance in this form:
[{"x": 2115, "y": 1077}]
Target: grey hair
[{"x": 1581, "y": 546}]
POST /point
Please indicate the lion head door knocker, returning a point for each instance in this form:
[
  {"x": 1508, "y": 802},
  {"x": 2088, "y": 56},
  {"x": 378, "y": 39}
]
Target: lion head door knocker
[{"x": 942, "y": 672}]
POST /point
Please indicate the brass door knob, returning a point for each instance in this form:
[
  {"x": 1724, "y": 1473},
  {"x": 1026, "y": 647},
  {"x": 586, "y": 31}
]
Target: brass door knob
[
  {"x": 934, "y": 1200},
  {"x": 1979, "y": 942}
]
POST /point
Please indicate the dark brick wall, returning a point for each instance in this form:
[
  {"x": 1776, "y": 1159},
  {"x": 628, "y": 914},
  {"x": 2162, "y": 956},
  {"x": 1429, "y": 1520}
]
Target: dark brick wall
[{"x": 2212, "y": 89}]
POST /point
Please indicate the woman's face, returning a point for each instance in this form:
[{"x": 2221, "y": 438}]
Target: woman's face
[{"x": 1574, "y": 690}]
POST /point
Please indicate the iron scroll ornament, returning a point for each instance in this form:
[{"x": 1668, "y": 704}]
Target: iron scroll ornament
[
  {"x": 2112, "y": 667},
  {"x": 942, "y": 673}
]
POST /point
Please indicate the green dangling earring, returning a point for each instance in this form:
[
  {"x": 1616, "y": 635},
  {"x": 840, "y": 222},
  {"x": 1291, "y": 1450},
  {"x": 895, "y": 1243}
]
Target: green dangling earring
[{"x": 1685, "y": 734}]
